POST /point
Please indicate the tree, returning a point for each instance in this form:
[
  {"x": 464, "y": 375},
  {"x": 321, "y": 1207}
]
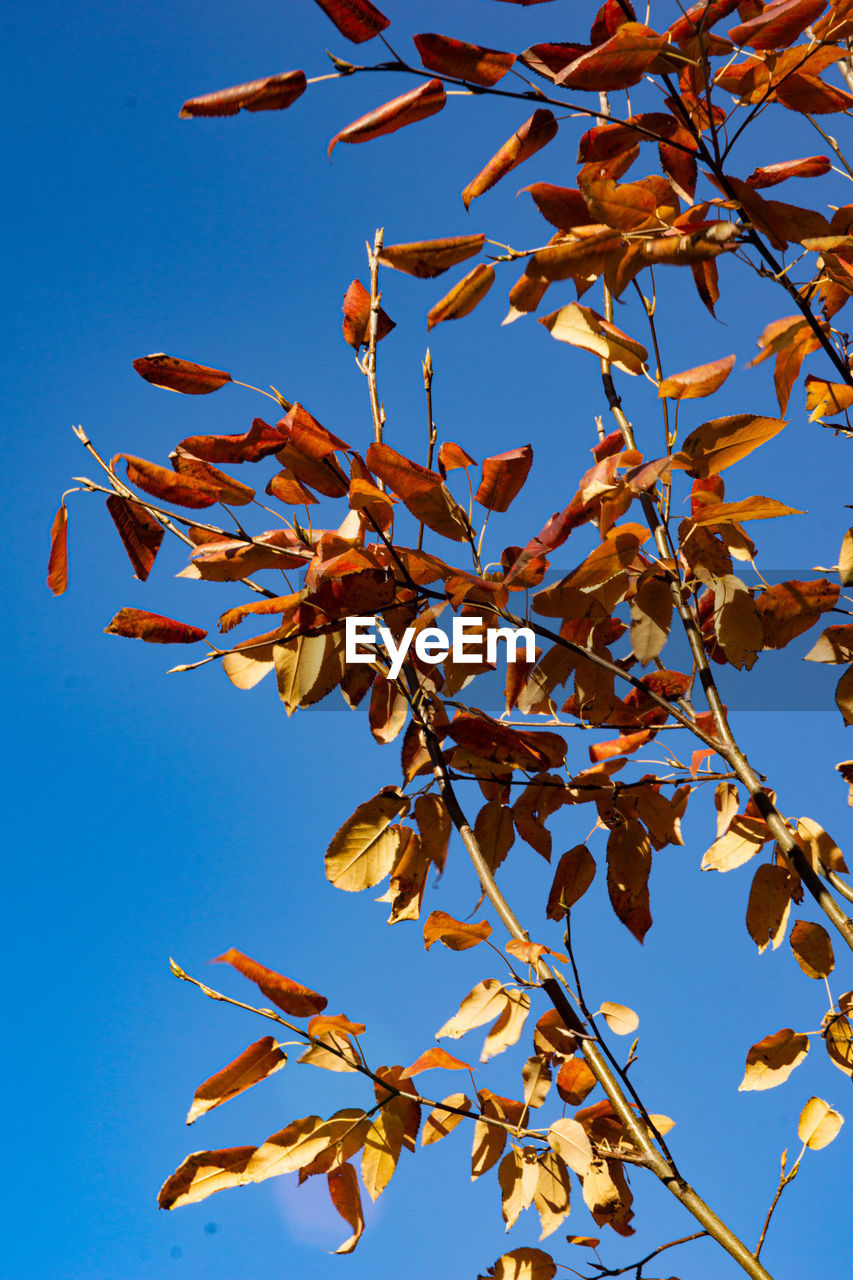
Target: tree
[{"x": 404, "y": 547}]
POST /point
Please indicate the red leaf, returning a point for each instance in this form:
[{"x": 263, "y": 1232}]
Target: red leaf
[
  {"x": 452, "y": 456},
  {"x": 618, "y": 63},
  {"x": 410, "y": 107},
  {"x": 175, "y": 374},
  {"x": 140, "y": 533},
  {"x": 305, "y": 433},
  {"x": 57, "y": 565},
  {"x": 290, "y": 996},
  {"x": 423, "y": 491},
  {"x": 272, "y": 94},
  {"x": 258, "y": 442},
  {"x": 564, "y": 207},
  {"x": 137, "y": 624},
  {"x": 503, "y": 476},
  {"x": 229, "y": 490},
  {"x": 778, "y": 24},
  {"x": 356, "y": 309},
  {"x": 358, "y": 20},
  {"x": 701, "y": 17},
  {"x": 531, "y": 137},
  {"x": 463, "y": 61}
]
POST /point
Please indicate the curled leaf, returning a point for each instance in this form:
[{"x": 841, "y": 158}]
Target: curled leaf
[
  {"x": 819, "y": 1124},
  {"x": 270, "y": 94},
  {"x": 184, "y": 376},
  {"x": 254, "y": 1064},
  {"x": 138, "y": 624},
  {"x": 529, "y": 138},
  {"x": 57, "y": 565},
  {"x": 464, "y": 296},
  {"x": 358, "y": 20},
  {"x": 289, "y": 995},
  {"x": 428, "y": 258},
  {"x": 409, "y": 108}
]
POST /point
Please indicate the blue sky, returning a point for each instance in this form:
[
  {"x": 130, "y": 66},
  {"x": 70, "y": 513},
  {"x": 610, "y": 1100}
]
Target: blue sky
[{"x": 150, "y": 816}]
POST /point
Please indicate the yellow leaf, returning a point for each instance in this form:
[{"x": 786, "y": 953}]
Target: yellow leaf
[
  {"x": 524, "y": 1264},
  {"x": 485, "y": 1001},
  {"x": 717, "y": 444},
  {"x": 571, "y": 1143},
  {"x": 362, "y": 851},
  {"x": 440, "y": 1122},
  {"x": 381, "y": 1152},
  {"x": 621, "y": 1020},
  {"x": 553, "y": 1192},
  {"x": 741, "y": 842},
  {"x": 509, "y": 1026},
  {"x": 770, "y": 1061},
  {"x": 536, "y": 1077},
  {"x": 582, "y": 327},
  {"x": 819, "y": 1124},
  {"x": 769, "y": 905}
]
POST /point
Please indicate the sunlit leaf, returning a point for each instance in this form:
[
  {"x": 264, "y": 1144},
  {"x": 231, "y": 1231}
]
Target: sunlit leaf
[
  {"x": 345, "y": 1196},
  {"x": 819, "y": 1124},
  {"x": 409, "y": 108},
  {"x": 440, "y": 1122},
  {"x": 362, "y": 851},
  {"x": 621, "y": 1020},
  {"x": 529, "y": 138},
  {"x": 358, "y": 20},
  {"x": 428, "y": 258},
  {"x": 140, "y": 533},
  {"x": 582, "y": 327},
  {"x": 571, "y": 1143},
  {"x": 175, "y": 374},
  {"x": 812, "y": 947},
  {"x": 770, "y": 1061},
  {"x": 270, "y": 94},
  {"x": 769, "y": 905},
  {"x": 458, "y": 935},
  {"x": 463, "y": 297},
  {"x": 461, "y": 60},
  {"x": 137, "y": 624},
  {"x": 254, "y": 1064},
  {"x": 57, "y": 565},
  {"x": 287, "y": 994},
  {"x": 692, "y": 384}
]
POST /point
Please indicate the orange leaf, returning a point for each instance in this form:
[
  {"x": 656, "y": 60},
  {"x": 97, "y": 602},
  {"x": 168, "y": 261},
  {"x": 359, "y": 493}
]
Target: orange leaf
[
  {"x": 254, "y": 1064},
  {"x": 258, "y": 442},
  {"x": 57, "y": 565},
  {"x": 290, "y": 996},
  {"x": 575, "y": 873},
  {"x": 229, "y": 490},
  {"x": 618, "y": 63},
  {"x": 358, "y": 20},
  {"x": 301, "y": 430},
  {"x": 431, "y": 1059},
  {"x": 428, "y": 258},
  {"x": 137, "y": 624},
  {"x": 769, "y": 175},
  {"x": 423, "y": 491},
  {"x": 343, "y": 1189},
  {"x": 529, "y": 138},
  {"x": 356, "y": 309},
  {"x": 463, "y": 61},
  {"x": 695, "y": 383},
  {"x": 271, "y": 94},
  {"x": 564, "y": 207},
  {"x": 778, "y": 25},
  {"x": 168, "y": 486},
  {"x": 410, "y": 107},
  {"x": 457, "y": 935},
  {"x": 754, "y": 508},
  {"x": 452, "y": 456},
  {"x": 503, "y": 476},
  {"x": 463, "y": 297},
  {"x": 175, "y": 374}
]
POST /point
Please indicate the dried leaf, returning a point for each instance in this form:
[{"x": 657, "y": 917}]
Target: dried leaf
[
  {"x": 718, "y": 444},
  {"x": 503, "y": 476},
  {"x": 507, "y": 1030},
  {"x": 287, "y": 994},
  {"x": 769, "y": 905},
  {"x": 423, "y": 492},
  {"x": 629, "y": 862},
  {"x": 741, "y": 841},
  {"x": 575, "y": 873},
  {"x": 571, "y": 1143},
  {"x": 356, "y": 325},
  {"x": 428, "y": 258},
  {"x": 358, "y": 20},
  {"x": 203, "y": 1173},
  {"x": 770, "y": 1061},
  {"x": 345, "y": 1195},
  {"x": 362, "y": 851},
  {"x": 529, "y": 138},
  {"x": 617, "y": 63},
  {"x": 621, "y": 1020},
  {"x": 409, "y": 108},
  {"x": 463, "y": 297},
  {"x": 440, "y": 1122},
  {"x": 524, "y": 1264},
  {"x": 778, "y": 24},
  {"x": 812, "y": 947},
  {"x": 137, "y": 624},
  {"x": 270, "y": 94},
  {"x": 463, "y": 61},
  {"x": 175, "y": 374},
  {"x": 432, "y": 1059},
  {"x": 536, "y": 1077},
  {"x": 57, "y": 565},
  {"x": 457, "y": 935},
  {"x": 254, "y": 1064},
  {"x": 485, "y": 1001},
  {"x": 140, "y": 533},
  {"x": 695, "y": 383},
  {"x": 381, "y": 1152},
  {"x": 582, "y": 327},
  {"x": 575, "y": 1081}
]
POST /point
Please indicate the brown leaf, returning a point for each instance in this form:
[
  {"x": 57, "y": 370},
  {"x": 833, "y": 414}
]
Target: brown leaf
[
  {"x": 787, "y": 609},
  {"x": 183, "y": 491},
  {"x": 524, "y": 1264},
  {"x": 812, "y": 947},
  {"x": 358, "y": 20},
  {"x": 432, "y": 1059},
  {"x": 428, "y": 258},
  {"x": 344, "y": 1192},
  {"x": 203, "y": 1173},
  {"x": 57, "y": 565},
  {"x": 270, "y": 94},
  {"x": 503, "y": 477},
  {"x": 423, "y": 492},
  {"x": 229, "y": 490},
  {"x": 254, "y": 1064},
  {"x": 356, "y": 325},
  {"x": 434, "y": 825},
  {"x": 409, "y": 108},
  {"x": 564, "y": 207},
  {"x": 258, "y": 442},
  {"x": 838, "y": 1036},
  {"x": 463, "y": 61},
  {"x": 287, "y": 994},
  {"x": 717, "y": 444},
  {"x": 362, "y": 851},
  {"x": 769, "y": 905},
  {"x": 140, "y": 533},
  {"x": 457, "y": 935},
  {"x": 137, "y": 624},
  {"x": 629, "y": 862},
  {"x": 736, "y": 622},
  {"x": 692, "y": 384},
  {"x": 529, "y": 138},
  {"x": 175, "y": 374},
  {"x": 463, "y": 297},
  {"x": 770, "y": 1061},
  {"x": 777, "y": 25},
  {"x": 575, "y": 873}
]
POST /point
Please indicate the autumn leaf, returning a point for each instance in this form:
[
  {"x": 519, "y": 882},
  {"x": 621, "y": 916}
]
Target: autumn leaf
[
  {"x": 345, "y": 1196},
  {"x": 428, "y": 258},
  {"x": 692, "y": 384},
  {"x": 362, "y": 851},
  {"x": 575, "y": 1081},
  {"x": 190, "y": 491},
  {"x": 381, "y": 1152},
  {"x": 461, "y": 60},
  {"x": 740, "y": 842},
  {"x": 778, "y": 25},
  {"x": 203, "y": 1173},
  {"x": 432, "y": 1059},
  {"x": 529, "y": 138},
  {"x": 358, "y": 20},
  {"x": 523, "y": 1264},
  {"x": 718, "y": 444},
  {"x": 356, "y": 325},
  {"x": 463, "y": 297},
  {"x": 812, "y": 948},
  {"x": 57, "y": 565},
  {"x": 140, "y": 533},
  {"x": 457, "y": 935},
  {"x": 137, "y": 624},
  {"x": 819, "y": 1124},
  {"x": 621, "y": 1020},
  {"x": 575, "y": 873},
  {"x": 485, "y": 1001},
  {"x": 771, "y": 1060},
  {"x": 175, "y": 374},
  {"x": 441, "y": 1121},
  {"x": 423, "y": 492},
  {"x": 769, "y": 905},
  {"x": 503, "y": 477},
  {"x": 287, "y": 994},
  {"x": 582, "y": 327},
  {"x": 254, "y": 1064},
  {"x": 409, "y": 108},
  {"x": 571, "y": 1143},
  {"x": 755, "y": 508},
  {"x": 618, "y": 63},
  {"x": 270, "y": 94}
]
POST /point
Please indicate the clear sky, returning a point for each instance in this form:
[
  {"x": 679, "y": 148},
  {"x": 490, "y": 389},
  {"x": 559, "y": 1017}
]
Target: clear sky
[{"x": 150, "y": 816}]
